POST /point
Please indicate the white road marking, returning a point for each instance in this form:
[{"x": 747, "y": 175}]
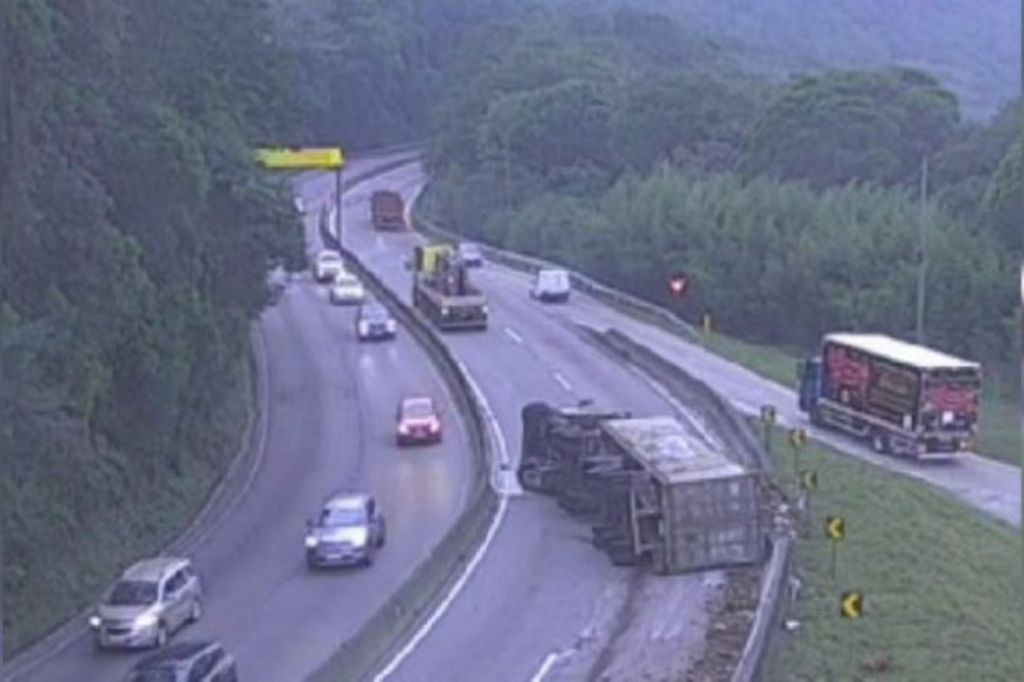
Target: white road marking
[
  {"x": 492, "y": 531},
  {"x": 512, "y": 334},
  {"x": 549, "y": 662},
  {"x": 563, "y": 382}
]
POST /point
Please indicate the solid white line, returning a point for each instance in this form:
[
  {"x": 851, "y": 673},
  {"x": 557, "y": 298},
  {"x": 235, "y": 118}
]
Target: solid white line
[
  {"x": 443, "y": 607},
  {"x": 513, "y": 335},
  {"x": 563, "y": 382},
  {"x": 545, "y": 667},
  {"x": 478, "y": 556}
]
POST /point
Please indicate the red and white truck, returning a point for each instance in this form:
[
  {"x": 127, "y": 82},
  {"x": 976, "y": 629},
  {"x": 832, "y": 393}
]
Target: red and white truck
[{"x": 902, "y": 398}]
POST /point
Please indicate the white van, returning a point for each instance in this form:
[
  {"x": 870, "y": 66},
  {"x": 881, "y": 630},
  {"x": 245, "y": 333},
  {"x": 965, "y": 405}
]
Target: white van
[{"x": 551, "y": 285}]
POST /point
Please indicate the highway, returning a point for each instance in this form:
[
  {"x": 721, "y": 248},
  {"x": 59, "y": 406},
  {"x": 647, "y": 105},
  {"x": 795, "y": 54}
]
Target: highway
[
  {"x": 541, "y": 593},
  {"x": 541, "y": 588},
  {"x": 331, "y": 407}
]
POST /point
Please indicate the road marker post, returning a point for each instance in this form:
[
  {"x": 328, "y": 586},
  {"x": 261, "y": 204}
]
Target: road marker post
[
  {"x": 767, "y": 422},
  {"x": 808, "y": 479}
]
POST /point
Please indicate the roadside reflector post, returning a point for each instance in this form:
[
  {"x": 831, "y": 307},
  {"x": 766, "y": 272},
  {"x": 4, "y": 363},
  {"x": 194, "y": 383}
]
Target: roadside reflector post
[
  {"x": 767, "y": 422},
  {"x": 808, "y": 479}
]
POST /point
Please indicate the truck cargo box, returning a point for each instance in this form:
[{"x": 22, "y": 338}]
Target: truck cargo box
[{"x": 706, "y": 505}]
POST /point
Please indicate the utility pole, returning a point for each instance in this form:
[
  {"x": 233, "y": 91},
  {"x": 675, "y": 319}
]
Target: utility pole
[{"x": 922, "y": 235}]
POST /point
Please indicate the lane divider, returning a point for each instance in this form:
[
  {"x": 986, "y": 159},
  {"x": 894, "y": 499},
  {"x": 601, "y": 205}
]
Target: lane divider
[{"x": 514, "y": 335}]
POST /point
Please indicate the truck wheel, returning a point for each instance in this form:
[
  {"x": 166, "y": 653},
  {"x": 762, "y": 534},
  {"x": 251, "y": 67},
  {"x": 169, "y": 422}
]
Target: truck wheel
[{"x": 880, "y": 443}]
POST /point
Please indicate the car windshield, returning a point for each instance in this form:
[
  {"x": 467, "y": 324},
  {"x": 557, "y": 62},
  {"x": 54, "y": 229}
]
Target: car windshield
[
  {"x": 342, "y": 516},
  {"x": 163, "y": 673},
  {"x": 374, "y": 312},
  {"x": 346, "y": 281},
  {"x": 553, "y": 277},
  {"x": 418, "y": 409},
  {"x": 329, "y": 257},
  {"x": 133, "y": 593},
  {"x": 470, "y": 249}
]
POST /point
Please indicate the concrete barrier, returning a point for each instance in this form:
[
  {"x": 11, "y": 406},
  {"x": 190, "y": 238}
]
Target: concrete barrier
[{"x": 365, "y": 652}]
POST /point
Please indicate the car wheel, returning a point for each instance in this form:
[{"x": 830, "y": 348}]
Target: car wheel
[
  {"x": 195, "y": 612},
  {"x": 383, "y": 534},
  {"x": 161, "y": 637}
]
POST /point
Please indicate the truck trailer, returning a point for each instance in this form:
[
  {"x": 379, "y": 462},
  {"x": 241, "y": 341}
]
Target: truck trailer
[
  {"x": 441, "y": 289},
  {"x": 653, "y": 492},
  {"x": 902, "y": 398},
  {"x": 387, "y": 211}
]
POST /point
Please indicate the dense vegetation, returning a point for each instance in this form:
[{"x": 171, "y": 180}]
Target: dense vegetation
[
  {"x": 135, "y": 232},
  {"x": 135, "y": 239},
  {"x": 793, "y": 207}
]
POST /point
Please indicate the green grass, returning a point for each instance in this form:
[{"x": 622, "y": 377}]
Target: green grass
[
  {"x": 1000, "y": 414},
  {"x": 941, "y": 583}
]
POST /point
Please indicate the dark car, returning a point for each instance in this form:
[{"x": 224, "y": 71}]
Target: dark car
[
  {"x": 349, "y": 530},
  {"x": 186, "y": 662},
  {"x": 418, "y": 421},
  {"x": 374, "y": 322}
]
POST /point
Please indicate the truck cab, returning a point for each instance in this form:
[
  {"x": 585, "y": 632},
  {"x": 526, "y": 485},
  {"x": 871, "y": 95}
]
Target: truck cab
[{"x": 808, "y": 374}]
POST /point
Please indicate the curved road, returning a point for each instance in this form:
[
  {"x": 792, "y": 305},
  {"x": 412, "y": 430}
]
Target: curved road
[
  {"x": 541, "y": 588},
  {"x": 541, "y": 594},
  {"x": 331, "y": 419}
]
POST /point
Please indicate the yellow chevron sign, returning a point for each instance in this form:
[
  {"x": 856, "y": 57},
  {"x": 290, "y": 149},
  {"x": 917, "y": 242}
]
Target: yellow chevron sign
[
  {"x": 797, "y": 437},
  {"x": 851, "y": 605},
  {"x": 300, "y": 159},
  {"x": 835, "y": 527},
  {"x": 808, "y": 479}
]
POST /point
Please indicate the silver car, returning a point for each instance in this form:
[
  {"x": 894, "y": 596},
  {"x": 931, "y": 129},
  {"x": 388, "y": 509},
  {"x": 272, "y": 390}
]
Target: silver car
[
  {"x": 349, "y": 530},
  {"x": 153, "y": 599}
]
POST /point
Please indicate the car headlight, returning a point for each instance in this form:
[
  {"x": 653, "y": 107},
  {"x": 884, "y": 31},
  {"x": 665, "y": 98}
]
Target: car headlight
[
  {"x": 444, "y": 310},
  {"x": 95, "y": 622},
  {"x": 403, "y": 429},
  {"x": 146, "y": 620},
  {"x": 483, "y": 309},
  {"x": 311, "y": 542},
  {"x": 391, "y": 325},
  {"x": 364, "y": 328}
]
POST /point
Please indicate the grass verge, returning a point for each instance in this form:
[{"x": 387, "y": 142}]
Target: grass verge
[
  {"x": 1000, "y": 415},
  {"x": 941, "y": 583}
]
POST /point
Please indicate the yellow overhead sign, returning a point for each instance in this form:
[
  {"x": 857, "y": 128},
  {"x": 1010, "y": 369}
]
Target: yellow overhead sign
[{"x": 306, "y": 158}]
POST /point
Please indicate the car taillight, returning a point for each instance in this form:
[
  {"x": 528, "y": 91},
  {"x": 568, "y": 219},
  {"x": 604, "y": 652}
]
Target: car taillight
[
  {"x": 434, "y": 426},
  {"x": 403, "y": 428}
]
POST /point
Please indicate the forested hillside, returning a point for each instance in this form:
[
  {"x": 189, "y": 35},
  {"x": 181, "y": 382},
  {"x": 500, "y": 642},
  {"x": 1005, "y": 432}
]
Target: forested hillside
[
  {"x": 972, "y": 47},
  {"x": 135, "y": 238},
  {"x": 792, "y": 206}
]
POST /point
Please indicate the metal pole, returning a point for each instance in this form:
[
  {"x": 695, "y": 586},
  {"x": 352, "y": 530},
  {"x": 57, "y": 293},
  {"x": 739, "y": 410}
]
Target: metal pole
[
  {"x": 922, "y": 234},
  {"x": 337, "y": 208},
  {"x": 834, "y": 546}
]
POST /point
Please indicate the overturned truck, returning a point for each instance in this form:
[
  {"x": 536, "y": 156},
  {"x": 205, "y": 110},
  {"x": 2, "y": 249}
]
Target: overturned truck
[{"x": 652, "y": 491}]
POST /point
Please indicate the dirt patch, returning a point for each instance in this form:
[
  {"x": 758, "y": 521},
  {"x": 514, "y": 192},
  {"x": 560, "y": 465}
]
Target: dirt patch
[{"x": 730, "y": 617}]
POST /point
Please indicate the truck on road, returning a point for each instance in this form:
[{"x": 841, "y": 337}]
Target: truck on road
[
  {"x": 387, "y": 212},
  {"x": 902, "y": 398},
  {"x": 441, "y": 289},
  {"x": 653, "y": 491}
]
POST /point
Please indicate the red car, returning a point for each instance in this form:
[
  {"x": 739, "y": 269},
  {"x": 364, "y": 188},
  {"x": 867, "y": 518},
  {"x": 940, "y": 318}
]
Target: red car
[{"x": 418, "y": 421}]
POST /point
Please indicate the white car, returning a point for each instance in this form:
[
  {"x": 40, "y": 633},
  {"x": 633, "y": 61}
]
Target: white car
[
  {"x": 551, "y": 285},
  {"x": 328, "y": 265},
  {"x": 347, "y": 289}
]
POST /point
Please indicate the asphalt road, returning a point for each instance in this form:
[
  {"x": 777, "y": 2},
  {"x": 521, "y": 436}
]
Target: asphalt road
[
  {"x": 541, "y": 588},
  {"x": 331, "y": 426}
]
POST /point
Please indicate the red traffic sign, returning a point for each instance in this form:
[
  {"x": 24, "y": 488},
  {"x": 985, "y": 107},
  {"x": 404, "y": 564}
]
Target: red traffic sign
[{"x": 677, "y": 285}]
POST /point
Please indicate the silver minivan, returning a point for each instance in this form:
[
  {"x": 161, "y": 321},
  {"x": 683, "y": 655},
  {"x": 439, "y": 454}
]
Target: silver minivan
[{"x": 152, "y": 599}]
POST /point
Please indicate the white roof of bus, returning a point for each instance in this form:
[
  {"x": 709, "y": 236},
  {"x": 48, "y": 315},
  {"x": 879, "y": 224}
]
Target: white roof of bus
[
  {"x": 670, "y": 452},
  {"x": 901, "y": 351}
]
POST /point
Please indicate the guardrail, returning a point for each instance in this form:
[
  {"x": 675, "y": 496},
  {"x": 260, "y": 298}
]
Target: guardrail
[
  {"x": 643, "y": 310},
  {"x": 741, "y": 440},
  {"x": 775, "y": 576},
  {"x": 367, "y": 650}
]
